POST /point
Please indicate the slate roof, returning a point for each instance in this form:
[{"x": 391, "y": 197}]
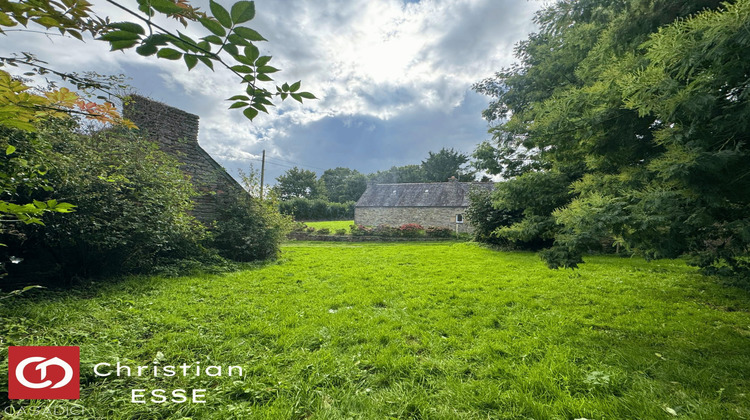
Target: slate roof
[{"x": 436, "y": 194}]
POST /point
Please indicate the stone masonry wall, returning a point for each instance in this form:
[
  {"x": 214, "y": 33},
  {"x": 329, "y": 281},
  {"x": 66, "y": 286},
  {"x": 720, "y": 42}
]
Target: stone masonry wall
[
  {"x": 425, "y": 216},
  {"x": 176, "y": 133}
]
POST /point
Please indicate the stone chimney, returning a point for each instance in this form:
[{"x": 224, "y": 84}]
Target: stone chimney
[
  {"x": 170, "y": 127},
  {"x": 176, "y": 133}
]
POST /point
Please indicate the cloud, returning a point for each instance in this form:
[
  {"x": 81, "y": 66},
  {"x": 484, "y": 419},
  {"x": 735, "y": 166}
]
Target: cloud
[{"x": 392, "y": 78}]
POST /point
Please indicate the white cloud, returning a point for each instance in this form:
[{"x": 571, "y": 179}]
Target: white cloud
[{"x": 380, "y": 64}]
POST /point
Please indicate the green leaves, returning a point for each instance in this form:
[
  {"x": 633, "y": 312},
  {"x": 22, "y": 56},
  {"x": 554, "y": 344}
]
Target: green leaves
[
  {"x": 647, "y": 134},
  {"x": 239, "y": 105},
  {"x": 191, "y": 61},
  {"x": 146, "y": 49},
  {"x": 122, "y": 45},
  {"x": 128, "y": 27},
  {"x": 169, "y": 54},
  {"x": 119, "y": 36},
  {"x": 267, "y": 69},
  {"x": 243, "y": 11},
  {"x": 213, "y": 26},
  {"x": 226, "y": 41},
  {"x": 125, "y": 35},
  {"x": 249, "y": 34},
  {"x": 299, "y": 96},
  {"x": 123, "y": 38},
  {"x": 242, "y": 69},
  {"x": 165, "y": 6},
  {"x": 213, "y": 39},
  {"x": 250, "y": 113},
  {"x": 221, "y": 14},
  {"x": 252, "y": 53},
  {"x": 286, "y": 90}
]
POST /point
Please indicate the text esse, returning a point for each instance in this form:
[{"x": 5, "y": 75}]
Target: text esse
[{"x": 160, "y": 396}]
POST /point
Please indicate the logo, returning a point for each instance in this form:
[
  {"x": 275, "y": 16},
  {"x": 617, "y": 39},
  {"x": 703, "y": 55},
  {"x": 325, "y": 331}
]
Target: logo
[{"x": 44, "y": 373}]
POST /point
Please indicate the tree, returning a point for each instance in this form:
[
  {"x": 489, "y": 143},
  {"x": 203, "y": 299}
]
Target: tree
[
  {"x": 638, "y": 111},
  {"x": 446, "y": 164},
  {"x": 399, "y": 174},
  {"x": 299, "y": 183},
  {"x": 437, "y": 167},
  {"x": 344, "y": 184},
  {"x": 229, "y": 44}
]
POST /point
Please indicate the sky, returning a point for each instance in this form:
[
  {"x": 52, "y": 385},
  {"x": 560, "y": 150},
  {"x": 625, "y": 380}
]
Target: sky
[{"x": 393, "y": 78}]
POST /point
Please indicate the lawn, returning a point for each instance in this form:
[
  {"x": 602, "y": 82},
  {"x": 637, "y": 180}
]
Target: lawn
[
  {"x": 332, "y": 225},
  {"x": 409, "y": 330}
]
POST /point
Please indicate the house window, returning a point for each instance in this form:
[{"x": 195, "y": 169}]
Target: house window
[{"x": 459, "y": 218}]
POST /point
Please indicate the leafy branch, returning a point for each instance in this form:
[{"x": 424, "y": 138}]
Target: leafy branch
[{"x": 228, "y": 44}]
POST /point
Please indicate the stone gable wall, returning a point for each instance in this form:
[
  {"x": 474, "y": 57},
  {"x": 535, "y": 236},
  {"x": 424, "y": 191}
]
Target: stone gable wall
[
  {"x": 176, "y": 133},
  {"x": 425, "y": 216}
]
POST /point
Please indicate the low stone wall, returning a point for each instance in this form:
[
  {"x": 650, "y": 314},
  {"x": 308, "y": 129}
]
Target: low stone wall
[{"x": 301, "y": 236}]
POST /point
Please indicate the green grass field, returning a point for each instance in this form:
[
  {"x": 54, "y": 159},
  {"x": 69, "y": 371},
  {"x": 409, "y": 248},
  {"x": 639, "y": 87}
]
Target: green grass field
[
  {"x": 332, "y": 225},
  {"x": 409, "y": 330}
]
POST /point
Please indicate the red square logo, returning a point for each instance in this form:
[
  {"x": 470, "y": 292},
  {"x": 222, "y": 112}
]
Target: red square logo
[{"x": 44, "y": 373}]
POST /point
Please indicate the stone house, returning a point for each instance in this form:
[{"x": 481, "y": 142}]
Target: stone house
[
  {"x": 176, "y": 133},
  {"x": 438, "y": 204}
]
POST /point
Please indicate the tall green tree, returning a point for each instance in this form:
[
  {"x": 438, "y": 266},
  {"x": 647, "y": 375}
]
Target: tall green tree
[
  {"x": 344, "y": 184},
  {"x": 446, "y": 164},
  {"x": 299, "y": 183},
  {"x": 637, "y": 110},
  {"x": 399, "y": 174}
]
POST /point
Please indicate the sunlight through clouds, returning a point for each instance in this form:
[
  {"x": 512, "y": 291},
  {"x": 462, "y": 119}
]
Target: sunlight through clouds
[{"x": 386, "y": 68}]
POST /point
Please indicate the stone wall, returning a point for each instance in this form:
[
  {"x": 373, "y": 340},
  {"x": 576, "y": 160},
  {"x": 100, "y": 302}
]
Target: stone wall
[
  {"x": 425, "y": 216},
  {"x": 176, "y": 133},
  {"x": 301, "y": 236}
]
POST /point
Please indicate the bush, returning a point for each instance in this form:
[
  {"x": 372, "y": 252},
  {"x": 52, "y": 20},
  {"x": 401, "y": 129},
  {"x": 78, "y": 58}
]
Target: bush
[
  {"x": 132, "y": 211},
  {"x": 411, "y": 230},
  {"x": 408, "y": 230},
  {"x": 299, "y": 227},
  {"x": 340, "y": 231},
  {"x": 361, "y": 230},
  {"x": 486, "y": 219},
  {"x": 306, "y": 209},
  {"x": 310, "y": 229},
  {"x": 439, "y": 232},
  {"x": 385, "y": 230},
  {"x": 324, "y": 231},
  {"x": 249, "y": 229}
]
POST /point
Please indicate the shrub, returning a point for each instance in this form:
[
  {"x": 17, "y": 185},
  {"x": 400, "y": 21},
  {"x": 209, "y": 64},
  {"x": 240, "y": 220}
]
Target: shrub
[
  {"x": 486, "y": 219},
  {"x": 299, "y": 227},
  {"x": 340, "y": 231},
  {"x": 132, "y": 203},
  {"x": 324, "y": 231},
  {"x": 439, "y": 232},
  {"x": 361, "y": 230},
  {"x": 411, "y": 230},
  {"x": 385, "y": 230},
  {"x": 310, "y": 229},
  {"x": 249, "y": 229}
]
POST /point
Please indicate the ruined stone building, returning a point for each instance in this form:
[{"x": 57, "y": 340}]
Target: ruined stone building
[
  {"x": 176, "y": 133},
  {"x": 438, "y": 204}
]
